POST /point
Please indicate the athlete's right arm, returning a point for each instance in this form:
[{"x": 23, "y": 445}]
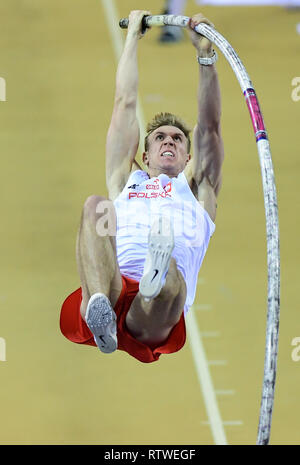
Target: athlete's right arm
[{"x": 123, "y": 135}]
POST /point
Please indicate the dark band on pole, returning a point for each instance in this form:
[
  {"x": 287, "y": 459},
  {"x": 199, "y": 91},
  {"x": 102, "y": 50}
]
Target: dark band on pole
[{"x": 123, "y": 23}]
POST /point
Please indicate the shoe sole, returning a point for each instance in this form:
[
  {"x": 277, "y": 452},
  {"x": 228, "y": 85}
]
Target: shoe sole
[
  {"x": 101, "y": 320},
  {"x": 160, "y": 247}
]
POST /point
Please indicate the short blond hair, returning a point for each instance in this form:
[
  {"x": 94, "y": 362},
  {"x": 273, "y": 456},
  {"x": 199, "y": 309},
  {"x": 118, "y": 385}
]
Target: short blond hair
[{"x": 168, "y": 119}]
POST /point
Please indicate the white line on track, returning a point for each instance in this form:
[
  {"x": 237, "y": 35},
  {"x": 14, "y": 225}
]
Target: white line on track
[
  {"x": 202, "y": 369},
  {"x": 211, "y": 405},
  {"x": 217, "y": 362},
  {"x": 203, "y": 307},
  {"x": 209, "y": 334},
  {"x": 227, "y": 423},
  {"x": 225, "y": 392}
]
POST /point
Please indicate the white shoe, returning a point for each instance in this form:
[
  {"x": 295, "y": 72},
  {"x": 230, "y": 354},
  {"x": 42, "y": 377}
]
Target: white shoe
[
  {"x": 101, "y": 320},
  {"x": 160, "y": 247}
]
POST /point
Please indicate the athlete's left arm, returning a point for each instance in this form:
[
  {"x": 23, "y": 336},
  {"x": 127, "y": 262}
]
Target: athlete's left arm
[{"x": 204, "y": 170}]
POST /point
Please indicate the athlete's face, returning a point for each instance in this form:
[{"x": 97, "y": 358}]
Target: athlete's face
[{"x": 167, "y": 151}]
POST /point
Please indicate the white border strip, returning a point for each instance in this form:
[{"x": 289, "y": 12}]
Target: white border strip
[{"x": 211, "y": 405}]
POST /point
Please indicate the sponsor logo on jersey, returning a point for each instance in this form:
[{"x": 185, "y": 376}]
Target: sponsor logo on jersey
[
  {"x": 168, "y": 187},
  {"x": 148, "y": 195},
  {"x": 152, "y": 186},
  {"x": 151, "y": 195}
]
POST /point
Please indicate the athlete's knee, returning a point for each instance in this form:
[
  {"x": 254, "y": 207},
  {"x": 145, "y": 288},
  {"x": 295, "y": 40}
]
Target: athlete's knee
[
  {"x": 100, "y": 211},
  {"x": 91, "y": 204}
]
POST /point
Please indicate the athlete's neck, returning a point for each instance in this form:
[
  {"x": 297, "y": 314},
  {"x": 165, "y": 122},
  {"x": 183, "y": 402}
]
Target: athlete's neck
[{"x": 155, "y": 173}]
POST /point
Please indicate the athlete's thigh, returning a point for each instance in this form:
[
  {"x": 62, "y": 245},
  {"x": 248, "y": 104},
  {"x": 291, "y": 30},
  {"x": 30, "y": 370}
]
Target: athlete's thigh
[
  {"x": 151, "y": 322},
  {"x": 165, "y": 309},
  {"x": 159, "y": 304},
  {"x": 84, "y": 288},
  {"x": 117, "y": 282}
]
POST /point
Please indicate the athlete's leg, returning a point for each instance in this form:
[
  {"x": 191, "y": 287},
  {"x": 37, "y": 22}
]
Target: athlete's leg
[
  {"x": 96, "y": 252},
  {"x": 151, "y": 322}
]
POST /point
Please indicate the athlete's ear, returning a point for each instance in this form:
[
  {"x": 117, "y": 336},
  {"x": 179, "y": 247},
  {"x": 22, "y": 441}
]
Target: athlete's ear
[
  {"x": 145, "y": 158},
  {"x": 188, "y": 158}
]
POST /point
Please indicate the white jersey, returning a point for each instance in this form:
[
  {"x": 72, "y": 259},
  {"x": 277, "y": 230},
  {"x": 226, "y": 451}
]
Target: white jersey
[{"x": 144, "y": 199}]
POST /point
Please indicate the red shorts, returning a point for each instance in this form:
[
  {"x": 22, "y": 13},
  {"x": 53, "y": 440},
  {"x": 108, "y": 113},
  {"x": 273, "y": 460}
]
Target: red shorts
[{"x": 75, "y": 329}]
